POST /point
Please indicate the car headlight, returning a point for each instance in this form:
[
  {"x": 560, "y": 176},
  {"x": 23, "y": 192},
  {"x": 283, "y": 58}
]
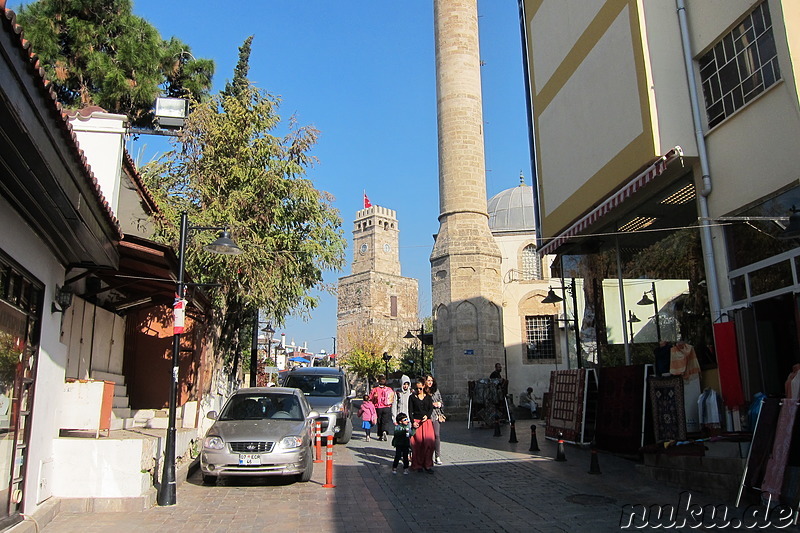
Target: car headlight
[
  {"x": 213, "y": 443},
  {"x": 336, "y": 408},
  {"x": 290, "y": 442}
]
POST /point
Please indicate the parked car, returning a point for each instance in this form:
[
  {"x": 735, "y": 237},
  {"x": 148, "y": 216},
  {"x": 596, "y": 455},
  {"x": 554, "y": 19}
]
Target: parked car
[
  {"x": 328, "y": 391},
  {"x": 261, "y": 431}
]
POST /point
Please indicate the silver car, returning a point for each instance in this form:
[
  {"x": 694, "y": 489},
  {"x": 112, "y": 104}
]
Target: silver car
[{"x": 259, "y": 432}]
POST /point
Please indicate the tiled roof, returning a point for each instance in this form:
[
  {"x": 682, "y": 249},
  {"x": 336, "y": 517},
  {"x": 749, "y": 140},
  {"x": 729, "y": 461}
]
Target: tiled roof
[
  {"x": 59, "y": 115},
  {"x": 127, "y": 161}
]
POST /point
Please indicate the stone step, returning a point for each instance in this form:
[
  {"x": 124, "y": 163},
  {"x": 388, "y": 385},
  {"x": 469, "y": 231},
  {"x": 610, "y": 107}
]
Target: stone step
[
  {"x": 118, "y": 379},
  {"x": 119, "y": 402},
  {"x": 121, "y": 412},
  {"x": 120, "y": 389},
  {"x": 123, "y": 423}
]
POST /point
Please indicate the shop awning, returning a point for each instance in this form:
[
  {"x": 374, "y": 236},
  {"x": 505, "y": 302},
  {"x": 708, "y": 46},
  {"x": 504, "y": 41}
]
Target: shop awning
[{"x": 613, "y": 201}]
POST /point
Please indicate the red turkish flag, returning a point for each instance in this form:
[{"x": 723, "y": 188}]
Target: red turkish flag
[{"x": 367, "y": 204}]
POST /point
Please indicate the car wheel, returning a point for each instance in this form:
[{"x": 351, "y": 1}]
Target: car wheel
[
  {"x": 347, "y": 432},
  {"x": 308, "y": 469},
  {"x": 209, "y": 480}
]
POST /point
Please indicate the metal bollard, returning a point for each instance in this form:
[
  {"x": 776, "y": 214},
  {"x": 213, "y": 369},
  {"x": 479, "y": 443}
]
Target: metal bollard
[
  {"x": 594, "y": 465},
  {"x": 329, "y": 465},
  {"x": 318, "y": 442},
  {"x": 534, "y": 444},
  {"x": 512, "y": 438},
  {"x": 560, "y": 456}
]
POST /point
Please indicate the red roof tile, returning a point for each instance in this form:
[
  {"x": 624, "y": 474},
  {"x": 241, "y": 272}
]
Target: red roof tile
[{"x": 59, "y": 114}]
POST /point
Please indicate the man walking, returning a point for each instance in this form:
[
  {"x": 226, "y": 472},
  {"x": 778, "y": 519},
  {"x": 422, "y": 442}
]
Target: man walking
[{"x": 383, "y": 398}]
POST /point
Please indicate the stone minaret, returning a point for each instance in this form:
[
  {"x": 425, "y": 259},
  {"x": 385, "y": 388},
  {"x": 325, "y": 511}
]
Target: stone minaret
[{"x": 465, "y": 262}]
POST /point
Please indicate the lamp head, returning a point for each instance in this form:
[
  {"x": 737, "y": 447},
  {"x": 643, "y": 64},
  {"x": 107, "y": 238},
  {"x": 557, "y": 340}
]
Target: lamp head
[
  {"x": 223, "y": 245},
  {"x": 645, "y": 300},
  {"x": 632, "y": 318},
  {"x": 551, "y": 297}
]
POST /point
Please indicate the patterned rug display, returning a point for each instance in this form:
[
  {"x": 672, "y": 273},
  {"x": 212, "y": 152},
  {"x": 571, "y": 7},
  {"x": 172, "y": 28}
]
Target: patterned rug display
[
  {"x": 565, "y": 412},
  {"x": 669, "y": 416},
  {"x": 620, "y": 408}
]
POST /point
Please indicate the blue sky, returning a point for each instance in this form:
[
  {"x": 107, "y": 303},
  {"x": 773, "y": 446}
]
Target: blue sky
[{"x": 363, "y": 73}]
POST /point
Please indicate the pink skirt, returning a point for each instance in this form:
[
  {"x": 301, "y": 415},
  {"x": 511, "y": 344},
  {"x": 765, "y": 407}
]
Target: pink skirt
[{"x": 422, "y": 446}]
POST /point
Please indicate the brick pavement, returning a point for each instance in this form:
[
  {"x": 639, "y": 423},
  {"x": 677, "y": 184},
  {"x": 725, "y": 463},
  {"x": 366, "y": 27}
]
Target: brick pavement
[{"x": 486, "y": 484}]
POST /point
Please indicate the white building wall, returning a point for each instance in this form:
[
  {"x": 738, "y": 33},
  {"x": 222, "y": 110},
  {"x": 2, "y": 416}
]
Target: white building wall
[
  {"x": 521, "y": 373},
  {"x": 100, "y": 136},
  {"x": 24, "y": 246}
]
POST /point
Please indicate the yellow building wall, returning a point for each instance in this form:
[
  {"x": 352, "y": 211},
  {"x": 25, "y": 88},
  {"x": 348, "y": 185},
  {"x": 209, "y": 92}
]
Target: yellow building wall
[{"x": 609, "y": 96}]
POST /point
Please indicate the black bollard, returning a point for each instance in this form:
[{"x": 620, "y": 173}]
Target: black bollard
[
  {"x": 594, "y": 465},
  {"x": 534, "y": 444},
  {"x": 513, "y": 436},
  {"x": 560, "y": 456},
  {"x": 497, "y": 428}
]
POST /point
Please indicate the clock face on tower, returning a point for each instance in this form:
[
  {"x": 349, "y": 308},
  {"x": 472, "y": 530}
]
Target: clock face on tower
[
  {"x": 363, "y": 249},
  {"x": 387, "y": 248}
]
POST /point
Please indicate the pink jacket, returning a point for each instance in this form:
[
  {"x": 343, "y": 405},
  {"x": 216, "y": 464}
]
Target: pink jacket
[
  {"x": 367, "y": 411},
  {"x": 382, "y": 396}
]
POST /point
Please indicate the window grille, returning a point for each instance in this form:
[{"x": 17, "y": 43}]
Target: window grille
[
  {"x": 531, "y": 266},
  {"x": 742, "y": 65},
  {"x": 540, "y": 337}
]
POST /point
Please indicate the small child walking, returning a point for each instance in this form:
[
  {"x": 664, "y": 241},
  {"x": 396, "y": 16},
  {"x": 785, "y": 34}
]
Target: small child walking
[
  {"x": 368, "y": 414},
  {"x": 402, "y": 441}
]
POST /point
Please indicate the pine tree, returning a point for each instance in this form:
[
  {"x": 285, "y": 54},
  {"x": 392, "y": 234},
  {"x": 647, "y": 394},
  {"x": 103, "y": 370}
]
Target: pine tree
[{"x": 97, "y": 52}]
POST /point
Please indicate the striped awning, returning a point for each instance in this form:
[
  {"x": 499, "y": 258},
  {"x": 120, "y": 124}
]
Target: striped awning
[{"x": 613, "y": 201}]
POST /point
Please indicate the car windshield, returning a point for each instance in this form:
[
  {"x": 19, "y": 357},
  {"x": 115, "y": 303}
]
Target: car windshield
[
  {"x": 262, "y": 407},
  {"x": 316, "y": 385}
]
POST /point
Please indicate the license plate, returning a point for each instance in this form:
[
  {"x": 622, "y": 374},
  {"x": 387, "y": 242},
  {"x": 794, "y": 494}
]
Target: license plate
[{"x": 249, "y": 459}]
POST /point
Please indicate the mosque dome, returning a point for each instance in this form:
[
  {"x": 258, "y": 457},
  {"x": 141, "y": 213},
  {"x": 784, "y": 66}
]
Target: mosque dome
[{"x": 512, "y": 209}]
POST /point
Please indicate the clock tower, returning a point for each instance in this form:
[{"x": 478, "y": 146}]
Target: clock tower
[
  {"x": 377, "y": 306},
  {"x": 375, "y": 239}
]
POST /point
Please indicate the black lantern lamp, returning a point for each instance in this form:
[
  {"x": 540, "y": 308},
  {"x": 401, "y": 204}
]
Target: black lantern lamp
[
  {"x": 632, "y": 319},
  {"x": 63, "y": 299},
  {"x": 654, "y": 302},
  {"x": 553, "y": 298},
  {"x": 386, "y": 358}
]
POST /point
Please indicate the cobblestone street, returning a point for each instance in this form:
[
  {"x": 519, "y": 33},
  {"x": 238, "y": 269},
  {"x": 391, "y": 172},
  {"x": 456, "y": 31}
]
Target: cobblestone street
[{"x": 486, "y": 484}]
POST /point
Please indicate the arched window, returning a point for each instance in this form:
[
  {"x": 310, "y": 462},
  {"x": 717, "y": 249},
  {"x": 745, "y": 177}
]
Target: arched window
[{"x": 531, "y": 266}]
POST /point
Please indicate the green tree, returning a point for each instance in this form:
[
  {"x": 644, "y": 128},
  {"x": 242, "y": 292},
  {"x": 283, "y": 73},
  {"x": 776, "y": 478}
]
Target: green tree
[
  {"x": 365, "y": 356},
  {"x": 97, "y": 52},
  {"x": 229, "y": 168}
]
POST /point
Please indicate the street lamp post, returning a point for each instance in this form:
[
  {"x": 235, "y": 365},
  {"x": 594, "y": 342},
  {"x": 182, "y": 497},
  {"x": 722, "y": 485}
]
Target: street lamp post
[
  {"x": 223, "y": 245},
  {"x": 419, "y": 334},
  {"x": 632, "y": 319},
  {"x": 386, "y": 358},
  {"x": 654, "y": 302},
  {"x": 553, "y": 298},
  {"x": 270, "y": 331}
]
